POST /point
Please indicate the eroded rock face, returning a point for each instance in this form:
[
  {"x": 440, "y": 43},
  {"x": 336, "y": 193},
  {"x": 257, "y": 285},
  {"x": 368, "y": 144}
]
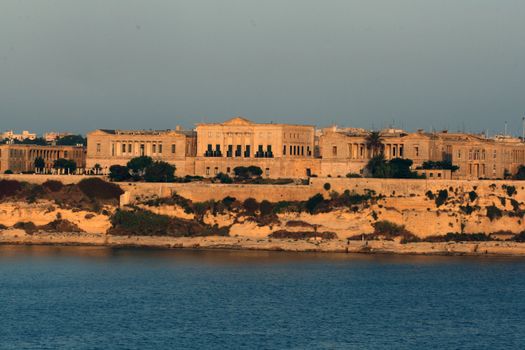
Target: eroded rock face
[
  {"x": 424, "y": 212},
  {"x": 44, "y": 212}
]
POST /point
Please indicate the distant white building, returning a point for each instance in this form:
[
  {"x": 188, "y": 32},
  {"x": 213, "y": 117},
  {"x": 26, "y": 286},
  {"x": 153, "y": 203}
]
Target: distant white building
[
  {"x": 10, "y": 135},
  {"x": 53, "y": 135}
]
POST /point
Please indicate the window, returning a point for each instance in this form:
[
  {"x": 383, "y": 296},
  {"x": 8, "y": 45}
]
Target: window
[
  {"x": 228, "y": 170},
  {"x": 65, "y": 154},
  {"x": 207, "y": 170},
  {"x": 284, "y": 150},
  {"x": 154, "y": 148},
  {"x": 267, "y": 171},
  {"x": 495, "y": 154},
  {"x": 416, "y": 151},
  {"x": 308, "y": 151},
  {"x": 98, "y": 147},
  {"x": 302, "y": 150},
  {"x": 160, "y": 148},
  {"x": 123, "y": 148},
  {"x": 142, "y": 149},
  {"x": 129, "y": 148},
  {"x": 173, "y": 148},
  {"x": 334, "y": 150},
  {"x": 216, "y": 170},
  {"x": 459, "y": 154}
]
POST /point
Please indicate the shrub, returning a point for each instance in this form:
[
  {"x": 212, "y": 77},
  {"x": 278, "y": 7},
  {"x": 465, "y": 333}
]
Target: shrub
[
  {"x": 283, "y": 234},
  {"x": 472, "y": 196},
  {"x": 430, "y": 195},
  {"x": 8, "y": 172},
  {"x": 9, "y": 188},
  {"x": 511, "y": 190},
  {"x": 520, "y": 237},
  {"x": 441, "y": 197},
  {"x": 247, "y": 172},
  {"x": 146, "y": 223},
  {"x": 353, "y": 175},
  {"x": 224, "y": 178},
  {"x": 494, "y": 212},
  {"x": 60, "y": 225},
  {"x": 313, "y": 202},
  {"x": 467, "y": 209},
  {"x": 53, "y": 185},
  {"x": 119, "y": 173},
  {"x": 96, "y": 188},
  {"x": 228, "y": 201},
  {"x": 159, "y": 171},
  {"x": 266, "y": 208},
  {"x": 250, "y": 205},
  {"x": 28, "y": 227},
  {"x": 459, "y": 237},
  {"x": 327, "y": 186}
]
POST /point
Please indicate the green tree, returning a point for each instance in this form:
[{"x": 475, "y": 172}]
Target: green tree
[
  {"x": 374, "y": 143},
  {"x": 224, "y": 178},
  {"x": 400, "y": 168},
  {"x": 39, "y": 164},
  {"x": 378, "y": 167},
  {"x": 159, "y": 172},
  {"x": 138, "y": 165},
  {"x": 71, "y": 140},
  {"x": 520, "y": 174},
  {"x": 119, "y": 173},
  {"x": 65, "y": 165}
]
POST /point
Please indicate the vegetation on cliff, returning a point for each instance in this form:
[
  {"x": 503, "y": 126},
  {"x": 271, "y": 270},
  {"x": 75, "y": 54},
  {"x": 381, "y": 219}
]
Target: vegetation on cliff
[
  {"x": 139, "y": 222},
  {"x": 88, "y": 194}
]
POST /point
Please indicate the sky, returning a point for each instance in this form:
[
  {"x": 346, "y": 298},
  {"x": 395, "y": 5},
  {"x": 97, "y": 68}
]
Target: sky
[{"x": 79, "y": 65}]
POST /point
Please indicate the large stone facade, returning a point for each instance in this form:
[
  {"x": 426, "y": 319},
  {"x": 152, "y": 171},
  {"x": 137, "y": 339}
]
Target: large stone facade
[
  {"x": 280, "y": 150},
  {"x": 21, "y": 158},
  {"x": 299, "y": 151},
  {"x": 110, "y": 147},
  {"x": 478, "y": 157}
]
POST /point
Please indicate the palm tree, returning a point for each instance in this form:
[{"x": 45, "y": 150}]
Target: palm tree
[{"x": 374, "y": 142}]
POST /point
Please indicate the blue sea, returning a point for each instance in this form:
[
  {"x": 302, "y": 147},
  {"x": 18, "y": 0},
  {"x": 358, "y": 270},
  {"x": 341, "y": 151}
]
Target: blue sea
[{"x": 102, "y": 298}]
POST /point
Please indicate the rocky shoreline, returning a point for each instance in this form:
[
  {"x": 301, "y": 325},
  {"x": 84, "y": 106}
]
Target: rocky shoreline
[{"x": 494, "y": 248}]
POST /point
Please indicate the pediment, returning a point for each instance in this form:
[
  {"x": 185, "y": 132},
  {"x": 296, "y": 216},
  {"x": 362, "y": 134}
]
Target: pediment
[{"x": 238, "y": 121}]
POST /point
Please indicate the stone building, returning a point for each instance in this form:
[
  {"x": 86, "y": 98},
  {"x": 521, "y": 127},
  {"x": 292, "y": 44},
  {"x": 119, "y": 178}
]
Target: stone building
[
  {"x": 299, "y": 151},
  {"x": 109, "y": 147},
  {"x": 21, "y": 158},
  {"x": 11, "y": 135},
  {"x": 280, "y": 150},
  {"x": 479, "y": 157},
  {"x": 345, "y": 151}
]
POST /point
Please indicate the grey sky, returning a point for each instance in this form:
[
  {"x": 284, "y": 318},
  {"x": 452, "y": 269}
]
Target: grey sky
[{"x": 81, "y": 65}]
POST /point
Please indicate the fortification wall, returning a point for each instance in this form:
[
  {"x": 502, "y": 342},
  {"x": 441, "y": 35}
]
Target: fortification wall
[{"x": 197, "y": 191}]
